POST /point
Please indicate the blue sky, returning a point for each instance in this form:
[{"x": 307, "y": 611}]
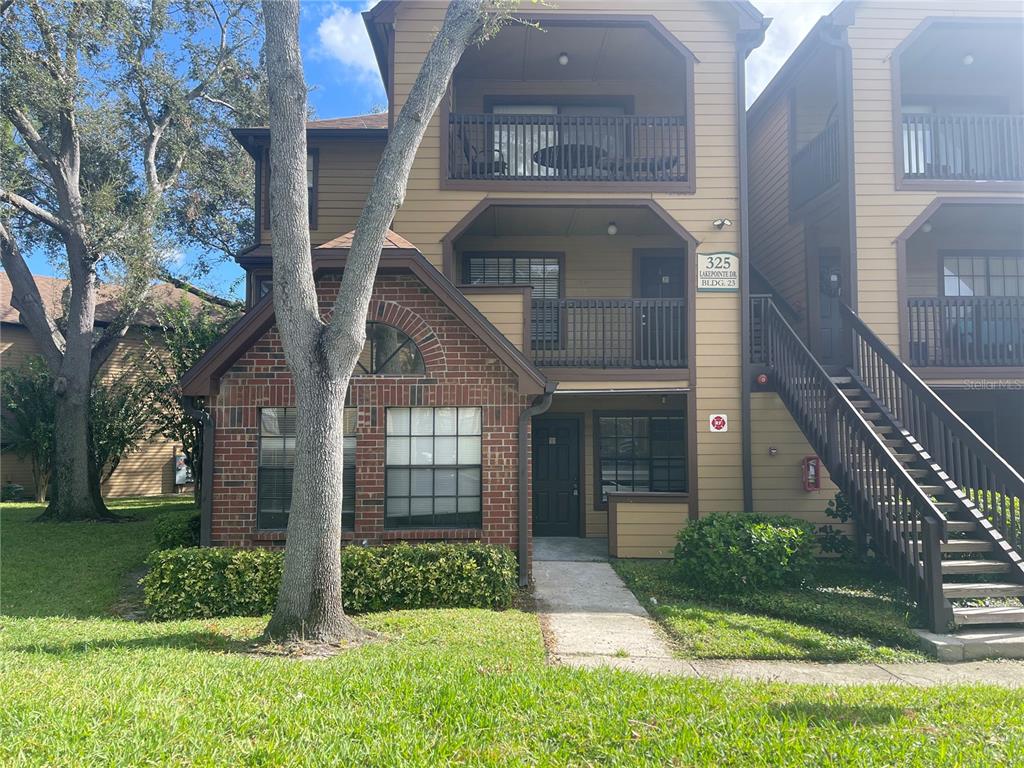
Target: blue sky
[{"x": 342, "y": 76}]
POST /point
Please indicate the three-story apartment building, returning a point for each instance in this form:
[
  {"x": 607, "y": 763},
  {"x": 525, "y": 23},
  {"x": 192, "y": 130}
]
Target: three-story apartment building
[
  {"x": 886, "y": 187},
  {"x": 541, "y": 358}
]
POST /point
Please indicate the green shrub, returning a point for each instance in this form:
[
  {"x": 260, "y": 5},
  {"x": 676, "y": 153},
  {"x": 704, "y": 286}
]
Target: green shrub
[
  {"x": 176, "y": 529},
  {"x": 202, "y": 583},
  {"x": 726, "y": 554}
]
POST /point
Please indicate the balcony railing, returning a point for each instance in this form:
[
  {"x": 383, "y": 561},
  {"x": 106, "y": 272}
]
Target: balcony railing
[
  {"x": 815, "y": 167},
  {"x": 966, "y": 332},
  {"x": 611, "y": 148},
  {"x": 609, "y": 333},
  {"x": 963, "y": 147}
]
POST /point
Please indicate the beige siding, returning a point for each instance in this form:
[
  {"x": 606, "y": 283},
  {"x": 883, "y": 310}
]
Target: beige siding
[
  {"x": 149, "y": 471},
  {"x": 776, "y": 244},
  {"x": 504, "y": 310},
  {"x": 882, "y": 212},
  {"x": 778, "y": 487},
  {"x": 708, "y": 29},
  {"x": 346, "y": 170},
  {"x": 648, "y": 529}
]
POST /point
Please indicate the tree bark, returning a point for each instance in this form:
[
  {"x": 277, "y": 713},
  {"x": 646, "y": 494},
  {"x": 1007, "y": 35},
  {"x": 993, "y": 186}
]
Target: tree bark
[{"x": 321, "y": 356}]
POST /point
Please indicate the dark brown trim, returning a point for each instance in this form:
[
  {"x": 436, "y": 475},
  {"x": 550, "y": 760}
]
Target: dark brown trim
[
  {"x": 595, "y": 415},
  {"x": 314, "y": 199},
  {"x": 203, "y": 377},
  {"x": 618, "y": 374},
  {"x": 448, "y": 241},
  {"x": 938, "y": 185},
  {"x": 900, "y": 242},
  {"x": 257, "y": 207}
]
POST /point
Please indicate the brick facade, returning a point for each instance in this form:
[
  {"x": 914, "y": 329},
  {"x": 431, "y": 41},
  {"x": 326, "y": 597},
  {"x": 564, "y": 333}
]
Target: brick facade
[{"x": 460, "y": 371}]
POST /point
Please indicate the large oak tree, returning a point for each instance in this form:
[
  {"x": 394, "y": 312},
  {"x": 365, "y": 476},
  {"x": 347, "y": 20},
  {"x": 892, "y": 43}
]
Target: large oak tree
[{"x": 115, "y": 153}]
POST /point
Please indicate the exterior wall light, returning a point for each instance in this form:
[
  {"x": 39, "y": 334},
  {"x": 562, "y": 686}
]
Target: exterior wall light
[
  {"x": 968, "y": 60},
  {"x": 926, "y": 227},
  {"x": 613, "y": 228},
  {"x": 563, "y": 59},
  {"x": 721, "y": 223}
]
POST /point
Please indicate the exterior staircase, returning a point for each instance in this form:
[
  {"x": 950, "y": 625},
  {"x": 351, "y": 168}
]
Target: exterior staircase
[{"x": 929, "y": 495}]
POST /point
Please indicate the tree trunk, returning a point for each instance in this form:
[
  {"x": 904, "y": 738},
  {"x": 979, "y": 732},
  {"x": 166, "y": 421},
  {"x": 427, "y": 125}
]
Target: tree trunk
[{"x": 309, "y": 606}]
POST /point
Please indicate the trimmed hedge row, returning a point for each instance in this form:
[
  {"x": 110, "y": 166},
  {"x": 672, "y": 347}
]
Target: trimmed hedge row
[
  {"x": 725, "y": 554},
  {"x": 192, "y": 582}
]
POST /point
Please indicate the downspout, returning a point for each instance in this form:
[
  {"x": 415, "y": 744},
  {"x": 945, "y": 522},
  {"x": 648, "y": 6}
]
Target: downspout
[
  {"x": 746, "y": 41},
  {"x": 203, "y": 417},
  {"x": 540, "y": 405}
]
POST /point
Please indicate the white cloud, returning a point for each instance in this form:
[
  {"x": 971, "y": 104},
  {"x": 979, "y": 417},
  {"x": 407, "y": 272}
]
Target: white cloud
[
  {"x": 792, "y": 20},
  {"x": 342, "y": 36}
]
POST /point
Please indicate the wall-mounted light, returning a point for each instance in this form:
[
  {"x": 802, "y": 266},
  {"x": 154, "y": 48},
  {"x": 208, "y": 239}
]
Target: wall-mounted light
[
  {"x": 563, "y": 58},
  {"x": 968, "y": 60},
  {"x": 721, "y": 223},
  {"x": 926, "y": 227},
  {"x": 613, "y": 228},
  {"x": 773, "y": 451}
]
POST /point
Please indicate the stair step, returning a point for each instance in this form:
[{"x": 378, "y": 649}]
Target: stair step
[
  {"x": 982, "y": 589},
  {"x": 934, "y": 490},
  {"x": 963, "y": 545},
  {"x": 961, "y": 526},
  {"x": 841, "y": 379},
  {"x": 947, "y": 506},
  {"x": 906, "y": 458},
  {"x": 974, "y": 566},
  {"x": 872, "y": 416},
  {"x": 863, "y": 404},
  {"x": 917, "y": 474},
  {"x": 988, "y": 615}
]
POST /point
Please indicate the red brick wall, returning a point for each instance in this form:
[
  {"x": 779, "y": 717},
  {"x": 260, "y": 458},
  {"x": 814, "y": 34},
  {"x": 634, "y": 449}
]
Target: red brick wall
[{"x": 460, "y": 370}]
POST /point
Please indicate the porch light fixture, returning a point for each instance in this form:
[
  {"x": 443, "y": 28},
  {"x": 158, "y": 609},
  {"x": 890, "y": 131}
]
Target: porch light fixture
[
  {"x": 613, "y": 228},
  {"x": 926, "y": 227},
  {"x": 968, "y": 60},
  {"x": 721, "y": 223},
  {"x": 563, "y": 58}
]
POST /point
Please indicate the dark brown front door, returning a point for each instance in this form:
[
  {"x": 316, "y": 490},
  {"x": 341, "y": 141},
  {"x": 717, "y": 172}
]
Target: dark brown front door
[
  {"x": 659, "y": 326},
  {"x": 556, "y": 477}
]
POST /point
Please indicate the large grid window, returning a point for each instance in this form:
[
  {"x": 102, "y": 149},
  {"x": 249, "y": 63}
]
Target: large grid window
[
  {"x": 983, "y": 275},
  {"x": 277, "y": 462},
  {"x": 639, "y": 453},
  {"x": 433, "y": 468}
]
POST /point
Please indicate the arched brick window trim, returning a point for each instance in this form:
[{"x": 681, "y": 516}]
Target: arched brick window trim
[{"x": 416, "y": 328}]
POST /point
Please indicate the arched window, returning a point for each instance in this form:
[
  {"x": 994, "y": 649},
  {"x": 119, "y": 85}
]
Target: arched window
[{"x": 389, "y": 351}]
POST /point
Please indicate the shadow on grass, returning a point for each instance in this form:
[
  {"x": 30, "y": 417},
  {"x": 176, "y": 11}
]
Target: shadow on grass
[
  {"x": 823, "y": 714},
  {"x": 198, "y": 640}
]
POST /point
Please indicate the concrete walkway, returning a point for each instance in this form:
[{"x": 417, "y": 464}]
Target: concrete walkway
[{"x": 591, "y": 619}]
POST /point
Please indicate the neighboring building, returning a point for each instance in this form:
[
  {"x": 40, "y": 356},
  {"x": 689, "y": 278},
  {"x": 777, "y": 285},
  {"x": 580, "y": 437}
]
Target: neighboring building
[
  {"x": 148, "y": 471},
  {"x": 560, "y": 342},
  {"x": 886, "y": 174}
]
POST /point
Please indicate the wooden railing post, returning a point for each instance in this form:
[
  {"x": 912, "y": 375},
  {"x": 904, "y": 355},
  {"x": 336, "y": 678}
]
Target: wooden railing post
[{"x": 939, "y": 613}]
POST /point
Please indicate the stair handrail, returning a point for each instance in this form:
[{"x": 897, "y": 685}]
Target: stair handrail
[
  {"x": 906, "y": 526},
  {"x": 892, "y": 392}
]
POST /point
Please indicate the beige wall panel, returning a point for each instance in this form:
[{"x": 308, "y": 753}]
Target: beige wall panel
[
  {"x": 505, "y": 311},
  {"x": 649, "y": 530}
]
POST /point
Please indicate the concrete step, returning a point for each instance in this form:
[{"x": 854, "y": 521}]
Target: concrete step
[
  {"x": 974, "y": 566},
  {"x": 963, "y": 615},
  {"x": 968, "y": 590},
  {"x": 974, "y": 644}
]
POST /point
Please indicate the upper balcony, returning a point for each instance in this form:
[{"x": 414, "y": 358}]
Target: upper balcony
[
  {"x": 571, "y": 104},
  {"x": 958, "y": 91}
]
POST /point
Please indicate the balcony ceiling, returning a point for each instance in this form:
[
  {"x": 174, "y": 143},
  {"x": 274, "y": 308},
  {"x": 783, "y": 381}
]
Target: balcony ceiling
[
  {"x": 510, "y": 221},
  {"x": 937, "y": 56},
  {"x": 1002, "y": 223},
  {"x": 520, "y": 52}
]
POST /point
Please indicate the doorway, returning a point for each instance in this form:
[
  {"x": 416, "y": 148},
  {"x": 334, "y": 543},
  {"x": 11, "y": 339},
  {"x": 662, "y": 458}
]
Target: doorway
[
  {"x": 659, "y": 327},
  {"x": 556, "y": 476},
  {"x": 830, "y": 292}
]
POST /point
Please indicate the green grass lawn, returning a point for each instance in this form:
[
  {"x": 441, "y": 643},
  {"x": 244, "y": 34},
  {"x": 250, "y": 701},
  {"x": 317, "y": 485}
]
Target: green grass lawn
[
  {"x": 848, "y": 616},
  {"x": 72, "y": 569},
  {"x": 456, "y": 687}
]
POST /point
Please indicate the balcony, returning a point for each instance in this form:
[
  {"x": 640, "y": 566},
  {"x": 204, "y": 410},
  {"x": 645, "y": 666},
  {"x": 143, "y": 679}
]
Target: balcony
[
  {"x": 957, "y": 332},
  {"x": 963, "y": 147},
  {"x": 815, "y": 166},
  {"x": 609, "y": 333},
  {"x": 566, "y": 148}
]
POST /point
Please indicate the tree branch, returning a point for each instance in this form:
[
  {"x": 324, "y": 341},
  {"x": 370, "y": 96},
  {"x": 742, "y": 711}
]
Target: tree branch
[
  {"x": 26, "y": 299},
  {"x": 34, "y": 210},
  {"x": 35, "y": 141}
]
